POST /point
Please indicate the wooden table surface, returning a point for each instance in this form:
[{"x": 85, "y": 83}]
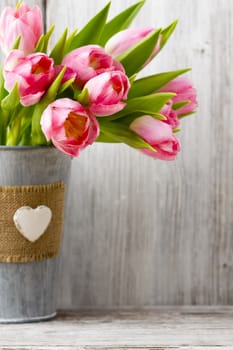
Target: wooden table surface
[{"x": 161, "y": 328}]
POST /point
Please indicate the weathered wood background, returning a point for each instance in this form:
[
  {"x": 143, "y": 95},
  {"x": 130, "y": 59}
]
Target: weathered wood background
[{"x": 144, "y": 232}]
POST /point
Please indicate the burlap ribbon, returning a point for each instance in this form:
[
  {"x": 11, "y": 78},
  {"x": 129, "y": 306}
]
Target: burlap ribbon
[{"x": 13, "y": 246}]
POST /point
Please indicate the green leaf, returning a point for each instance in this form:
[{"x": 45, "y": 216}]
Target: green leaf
[
  {"x": 152, "y": 83},
  {"x": 132, "y": 79},
  {"x": 106, "y": 139},
  {"x": 16, "y": 43},
  {"x": 83, "y": 98},
  {"x": 38, "y": 137},
  {"x": 91, "y": 33},
  {"x": 128, "y": 119},
  {"x": 40, "y": 44},
  {"x": 47, "y": 37},
  {"x": 175, "y": 131},
  {"x": 19, "y": 3},
  {"x": 66, "y": 85},
  {"x": 57, "y": 52},
  {"x": 150, "y": 104},
  {"x": 69, "y": 41},
  {"x": 3, "y": 92},
  {"x": 134, "y": 58},
  {"x": 159, "y": 116},
  {"x": 185, "y": 115},
  {"x": 180, "y": 104},
  {"x": 122, "y": 133},
  {"x": 167, "y": 32},
  {"x": 120, "y": 22},
  {"x": 11, "y": 101},
  {"x": 53, "y": 89}
]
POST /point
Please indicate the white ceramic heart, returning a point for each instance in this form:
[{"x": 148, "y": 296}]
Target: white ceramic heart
[{"x": 32, "y": 223}]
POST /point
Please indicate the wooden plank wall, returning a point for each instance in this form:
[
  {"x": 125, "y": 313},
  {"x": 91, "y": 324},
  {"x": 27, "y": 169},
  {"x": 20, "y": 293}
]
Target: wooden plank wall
[{"x": 143, "y": 232}]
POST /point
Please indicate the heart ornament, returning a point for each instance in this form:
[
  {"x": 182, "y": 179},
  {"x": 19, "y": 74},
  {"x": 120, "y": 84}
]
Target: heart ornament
[{"x": 32, "y": 223}]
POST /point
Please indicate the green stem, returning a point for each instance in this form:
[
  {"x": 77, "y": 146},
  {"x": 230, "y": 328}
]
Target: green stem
[
  {"x": 3, "y": 128},
  {"x": 26, "y": 139},
  {"x": 13, "y": 135}
]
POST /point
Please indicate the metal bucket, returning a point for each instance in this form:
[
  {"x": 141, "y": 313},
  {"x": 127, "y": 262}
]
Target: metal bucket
[{"x": 28, "y": 290}]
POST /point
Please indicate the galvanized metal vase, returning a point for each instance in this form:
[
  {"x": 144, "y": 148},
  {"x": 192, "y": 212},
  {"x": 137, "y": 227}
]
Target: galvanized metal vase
[{"x": 28, "y": 290}]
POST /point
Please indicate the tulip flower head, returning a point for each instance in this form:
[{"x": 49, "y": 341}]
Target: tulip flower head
[
  {"x": 185, "y": 91},
  {"x": 90, "y": 61},
  {"x": 126, "y": 39},
  {"x": 107, "y": 92},
  {"x": 69, "y": 126},
  {"x": 23, "y": 22},
  {"x": 33, "y": 73},
  {"x": 159, "y": 135},
  {"x": 171, "y": 115}
]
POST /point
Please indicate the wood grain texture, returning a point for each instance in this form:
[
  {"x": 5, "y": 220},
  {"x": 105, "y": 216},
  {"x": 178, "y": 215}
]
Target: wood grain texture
[
  {"x": 161, "y": 328},
  {"x": 143, "y": 232}
]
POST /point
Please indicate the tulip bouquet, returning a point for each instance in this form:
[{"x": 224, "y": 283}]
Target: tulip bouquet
[{"x": 85, "y": 88}]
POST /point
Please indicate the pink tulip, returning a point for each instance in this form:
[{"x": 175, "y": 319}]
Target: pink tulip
[
  {"x": 90, "y": 61},
  {"x": 171, "y": 115},
  {"x": 184, "y": 90},
  {"x": 33, "y": 73},
  {"x": 125, "y": 39},
  {"x": 69, "y": 126},
  {"x": 106, "y": 93},
  {"x": 159, "y": 135},
  {"x": 23, "y": 21}
]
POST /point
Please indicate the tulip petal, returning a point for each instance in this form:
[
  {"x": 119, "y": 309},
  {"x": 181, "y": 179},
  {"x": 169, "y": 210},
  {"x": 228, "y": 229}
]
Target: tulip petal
[
  {"x": 125, "y": 39},
  {"x": 106, "y": 110},
  {"x": 31, "y": 99}
]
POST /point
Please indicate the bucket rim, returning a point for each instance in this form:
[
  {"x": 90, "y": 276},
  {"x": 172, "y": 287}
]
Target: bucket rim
[
  {"x": 23, "y": 148},
  {"x": 28, "y": 319}
]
